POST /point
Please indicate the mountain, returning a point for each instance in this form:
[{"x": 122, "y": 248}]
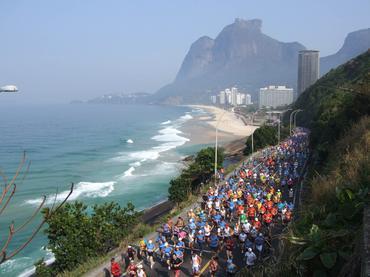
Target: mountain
[
  {"x": 240, "y": 55},
  {"x": 355, "y": 43},
  {"x": 130, "y": 98}
]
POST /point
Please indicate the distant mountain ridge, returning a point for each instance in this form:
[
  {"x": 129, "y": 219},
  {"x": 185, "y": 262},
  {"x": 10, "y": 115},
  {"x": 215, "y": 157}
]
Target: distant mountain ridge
[
  {"x": 242, "y": 55},
  {"x": 354, "y": 44}
]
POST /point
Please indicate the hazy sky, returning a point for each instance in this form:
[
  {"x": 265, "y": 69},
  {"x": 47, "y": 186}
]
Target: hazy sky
[{"x": 56, "y": 51}]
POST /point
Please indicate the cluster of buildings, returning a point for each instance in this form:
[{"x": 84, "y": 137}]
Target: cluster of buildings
[
  {"x": 232, "y": 97},
  {"x": 274, "y": 96},
  {"x": 308, "y": 74}
]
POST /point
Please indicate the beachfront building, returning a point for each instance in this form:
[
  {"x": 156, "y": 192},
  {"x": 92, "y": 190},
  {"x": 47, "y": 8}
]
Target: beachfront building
[
  {"x": 275, "y": 96},
  {"x": 231, "y": 97},
  {"x": 248, "y": 99},
  {"x": 308, "y": 69},
  {"x": 222, "y": 98}
]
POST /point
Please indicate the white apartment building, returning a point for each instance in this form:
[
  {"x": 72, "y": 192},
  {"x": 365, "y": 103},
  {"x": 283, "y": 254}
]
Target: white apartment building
[
  {"x": 222, "y": 97},
  {"x": 275, "y": 96},
  {"x": 248, "y": 99}
]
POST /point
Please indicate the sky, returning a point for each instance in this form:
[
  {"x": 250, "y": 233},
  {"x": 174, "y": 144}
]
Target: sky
[{"x": 58, "y": 51}]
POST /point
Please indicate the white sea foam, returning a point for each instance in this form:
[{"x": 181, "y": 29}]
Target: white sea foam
[
  {"x": 170, "y": 138},
  {"x": 135, "y": 164},
  {"x": 130, "y": 141},
  {"x": 186, "y": 117},
  {"x": 9, "y": 266},
  {"x": 129, "y": 171},
  {"x": 49, "y": 259},
  {"x": 81, "y": 190},
  {"x": 166, "y": 122},
  {"x": 143, "y": 156}
]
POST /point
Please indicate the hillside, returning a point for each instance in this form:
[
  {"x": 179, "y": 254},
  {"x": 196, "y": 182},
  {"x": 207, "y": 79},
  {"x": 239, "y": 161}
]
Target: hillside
[
  {"x": 354, "y": 44},
  {"x": 326, "y": 239},
  {"x": 335, "y": 102}
]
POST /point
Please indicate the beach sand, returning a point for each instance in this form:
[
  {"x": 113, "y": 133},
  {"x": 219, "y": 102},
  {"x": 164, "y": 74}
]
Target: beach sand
[{"x": 202, "y": 129}]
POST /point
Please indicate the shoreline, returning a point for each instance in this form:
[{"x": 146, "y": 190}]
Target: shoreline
[{"x": 226, "y": 121}]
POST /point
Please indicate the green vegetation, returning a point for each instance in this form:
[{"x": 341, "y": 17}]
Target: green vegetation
[
  {"x": 264, "y": 136},
  {"x": 325, "y": 239},
  {"x": 77, "y": 233},
  {"x": 198, "y": 172},
  {"x": 334, "y": 103}
]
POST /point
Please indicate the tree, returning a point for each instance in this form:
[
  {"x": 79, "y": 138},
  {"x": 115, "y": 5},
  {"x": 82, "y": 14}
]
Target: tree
[
  {"x": 77, "y": 232},
  {"x": 8, "y": 193},
  {"x": 198, "y": 172},
  {"x": 262, "y": 137}
]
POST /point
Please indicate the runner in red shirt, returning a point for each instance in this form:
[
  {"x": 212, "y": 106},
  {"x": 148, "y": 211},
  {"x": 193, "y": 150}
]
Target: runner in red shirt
[{"x": 115, "y": 268}]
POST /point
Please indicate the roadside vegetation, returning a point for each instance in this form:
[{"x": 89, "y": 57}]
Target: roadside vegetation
[
  {"x": 264, "y": 136},
  {"x": 195, "y": 175}
]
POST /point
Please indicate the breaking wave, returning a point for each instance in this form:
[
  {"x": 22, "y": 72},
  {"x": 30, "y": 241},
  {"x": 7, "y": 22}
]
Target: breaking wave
[{"x": 81, "y": 190}]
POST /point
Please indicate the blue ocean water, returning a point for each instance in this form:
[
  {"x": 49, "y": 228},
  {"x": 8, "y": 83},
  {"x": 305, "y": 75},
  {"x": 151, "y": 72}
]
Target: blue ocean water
[{"x": 112, "y": 153}]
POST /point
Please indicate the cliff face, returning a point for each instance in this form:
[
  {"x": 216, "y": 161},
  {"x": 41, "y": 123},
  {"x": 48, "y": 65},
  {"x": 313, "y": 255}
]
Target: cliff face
[
  {"x": 240, "y": 55},
  {"x": 355, "y": 43}
]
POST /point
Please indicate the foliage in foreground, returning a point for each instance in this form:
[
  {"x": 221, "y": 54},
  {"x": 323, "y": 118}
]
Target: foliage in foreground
[
  {"x": 77, "y": 232},
  {"x": 197, "y": 173}
]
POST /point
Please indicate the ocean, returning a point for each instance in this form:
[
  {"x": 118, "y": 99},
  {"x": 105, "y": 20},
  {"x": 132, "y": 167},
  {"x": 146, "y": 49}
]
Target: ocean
[{"x": 111, "y": 152}]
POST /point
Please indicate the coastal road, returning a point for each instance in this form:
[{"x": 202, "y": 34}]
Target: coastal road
[{"x": 160, "y": 268}]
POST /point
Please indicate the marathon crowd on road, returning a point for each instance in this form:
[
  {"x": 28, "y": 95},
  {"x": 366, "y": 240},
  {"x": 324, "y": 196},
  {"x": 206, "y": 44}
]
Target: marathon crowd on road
[{"x": 238, "y": 216}]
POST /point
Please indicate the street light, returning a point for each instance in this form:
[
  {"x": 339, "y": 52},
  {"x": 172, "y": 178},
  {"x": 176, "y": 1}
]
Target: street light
[
  {"x": 216, "y": 144},
  {"x": 295, "y": 117},
  {"x": 291, "y": 118}
]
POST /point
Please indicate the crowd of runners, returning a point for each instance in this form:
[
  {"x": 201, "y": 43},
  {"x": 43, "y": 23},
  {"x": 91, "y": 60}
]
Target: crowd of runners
[{"x": 236, "y": 217}]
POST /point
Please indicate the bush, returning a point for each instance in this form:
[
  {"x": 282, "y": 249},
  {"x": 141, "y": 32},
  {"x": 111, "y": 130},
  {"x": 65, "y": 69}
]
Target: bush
[
  {"x": 197, "y": 173},
  {"x": 76, "y": 233},
  {"x": 42, "y": 270},
  {"x": 262, "y": 137}
]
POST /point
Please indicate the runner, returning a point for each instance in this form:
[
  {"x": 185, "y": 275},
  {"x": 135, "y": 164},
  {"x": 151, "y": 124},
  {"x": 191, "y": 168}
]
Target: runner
[
  {"x": 230, "y": 268},
  {"x": 131, "y": 253},
  {"x": 115, "y": 268},
  {"x": 140, "y": 271},
  {"x": 176, "y": 262},
  {"x": 195, "y": 264},
  {"x": 250, "y": 257},
  {"x": 142, "y": 249},
  {"x": 151, "y": 248},
  {"x": 131, "y": 269},
  {"x": 213, "y": 266}
]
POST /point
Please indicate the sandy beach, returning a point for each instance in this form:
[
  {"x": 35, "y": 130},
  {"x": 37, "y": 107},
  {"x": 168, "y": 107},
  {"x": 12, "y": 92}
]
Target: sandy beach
[{"x": 230, "y": 127}]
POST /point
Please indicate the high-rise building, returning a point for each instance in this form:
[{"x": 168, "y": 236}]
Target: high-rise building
[
  {"x": 222, "y": 96},
  {"x": 248, "y": 99},
  {"x": 308, "y": 69},
  {"x": 275, "y": 96},
  {"x": 213, "y": 99}
]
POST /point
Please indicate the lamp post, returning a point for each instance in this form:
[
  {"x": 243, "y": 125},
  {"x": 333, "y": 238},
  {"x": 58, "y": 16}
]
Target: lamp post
[
  {"x": 279, "y": 129},
  {"x": 291, "y": 118},
  {"x": 252, "y": 143},
  {"x": 216, "y": 145},
  {"x": 295, "y": 118}
]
